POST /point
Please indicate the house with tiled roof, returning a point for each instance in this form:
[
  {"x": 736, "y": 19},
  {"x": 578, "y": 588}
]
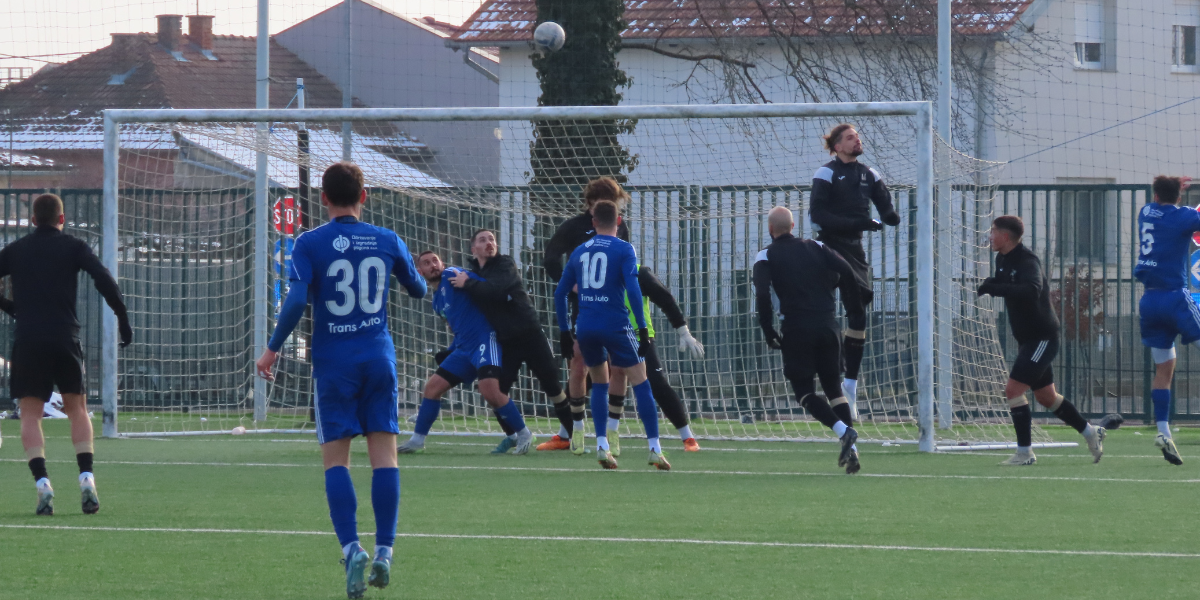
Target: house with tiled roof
[
  {"x": 1061, "y": 74},
  {"x": 400, "y": 61},
  {"x": 56, "y": 115}
]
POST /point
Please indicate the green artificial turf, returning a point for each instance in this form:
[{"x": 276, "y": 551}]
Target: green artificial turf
[{"x": 941, "y": 526}]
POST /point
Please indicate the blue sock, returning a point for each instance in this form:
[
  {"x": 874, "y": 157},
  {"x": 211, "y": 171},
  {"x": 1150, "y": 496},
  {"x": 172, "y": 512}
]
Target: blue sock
[
  {"x": 1162, "y": 405},
  {"x": 339, "y": 491},
  {"x": 426, "y": 415},
  {"x": 600, "y": 408},
  {"x": 646, "y": 409},
  {"x": 509, "y": 413},
  {"x": 385, "y": 500}
]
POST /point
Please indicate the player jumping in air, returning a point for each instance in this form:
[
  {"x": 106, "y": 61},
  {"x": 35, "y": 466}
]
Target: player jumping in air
[
  {"x": 1021, "y": 282},
  {"x": 1167, "y": 309},
  {"x": 44, "y": 267},
  {"x": 843, "y": 191},
  {"x": 804, "y": 274},
  {"x": 499, "y": 293},
  {"x": 343, "y": 266},
  {"x": 602, "y": 271},
  {"x": 475, "y": 352}
]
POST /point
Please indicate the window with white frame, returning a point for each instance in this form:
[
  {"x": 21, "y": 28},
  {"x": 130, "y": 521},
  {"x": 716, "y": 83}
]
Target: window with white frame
[
  {"x": 1089, "y": 34},
  {"x": 1183, "y": 49}
]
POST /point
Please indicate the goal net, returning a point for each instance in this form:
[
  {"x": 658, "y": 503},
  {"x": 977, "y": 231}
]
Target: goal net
[{"x": 200, "y": 235}]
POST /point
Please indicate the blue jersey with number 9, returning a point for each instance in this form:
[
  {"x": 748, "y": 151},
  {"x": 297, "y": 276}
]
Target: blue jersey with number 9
[
  {"x": 346, "y": 264},
  {"x": 1164, "y": 236}
]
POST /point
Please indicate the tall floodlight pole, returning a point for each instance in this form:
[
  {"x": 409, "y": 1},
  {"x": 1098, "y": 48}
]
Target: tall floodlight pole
[
  {"x": 261, "y": 207},
  {"x": 946, "y": 299},
  {"x": 347, "y": 77}
]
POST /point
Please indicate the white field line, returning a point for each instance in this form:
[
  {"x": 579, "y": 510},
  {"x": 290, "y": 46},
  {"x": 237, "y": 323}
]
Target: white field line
[
  {"x": 621, "y": 540},
  {"x": 404, "y": 467}
]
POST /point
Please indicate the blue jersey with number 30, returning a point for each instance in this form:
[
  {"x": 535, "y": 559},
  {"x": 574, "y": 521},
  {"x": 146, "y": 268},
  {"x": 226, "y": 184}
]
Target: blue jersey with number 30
[
  {"x": 1164, "y": 232},
  {"x": 605, "y": 268},
  {"x": 346, "y": 264}
]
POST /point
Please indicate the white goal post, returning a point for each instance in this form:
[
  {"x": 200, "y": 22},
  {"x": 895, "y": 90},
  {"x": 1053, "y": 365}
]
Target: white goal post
[{"x": 929, "y": 367}]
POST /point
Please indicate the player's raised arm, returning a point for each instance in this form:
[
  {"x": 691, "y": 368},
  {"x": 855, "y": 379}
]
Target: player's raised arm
[{"x": 406, "y": 273}]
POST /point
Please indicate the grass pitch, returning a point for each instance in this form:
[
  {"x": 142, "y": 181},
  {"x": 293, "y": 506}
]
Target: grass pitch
[{"x": 245, "y": 517}]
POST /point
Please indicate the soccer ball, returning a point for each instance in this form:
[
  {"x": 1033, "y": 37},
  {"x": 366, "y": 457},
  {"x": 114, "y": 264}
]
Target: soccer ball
[{"x": 549, "y": 36}]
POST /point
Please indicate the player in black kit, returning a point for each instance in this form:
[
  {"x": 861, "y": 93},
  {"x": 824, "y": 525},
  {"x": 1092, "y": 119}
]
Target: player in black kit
[
  {"x": 804, "y": 275},
  {"x": 44, "y": 267},
  {"x": 504, "y": 302},
  {"x": 843, "y": 191},
  {"x": 1021, "y": 282}
]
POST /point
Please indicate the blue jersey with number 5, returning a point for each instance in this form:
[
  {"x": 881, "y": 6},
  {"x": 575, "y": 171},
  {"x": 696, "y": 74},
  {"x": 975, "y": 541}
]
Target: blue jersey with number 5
[
  {"x": 1164, "y": 233},
  {"x": 346, "y": 264},
  {"x": 605, "y": 269}
]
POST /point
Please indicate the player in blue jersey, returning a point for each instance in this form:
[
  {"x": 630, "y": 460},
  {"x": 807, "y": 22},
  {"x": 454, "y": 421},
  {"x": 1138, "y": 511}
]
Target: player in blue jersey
[
  {"x": 604, "y": 270},
  {"x": 343, "y": 267},
  {"x": 474, "y": 354},
  {"x": 1167, "y": 309}
]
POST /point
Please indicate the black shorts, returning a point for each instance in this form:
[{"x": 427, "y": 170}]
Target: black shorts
[
  {"x": 533, "y": 349},
  {"x": 1032, "y": 366},
  {"x": 853, "y": 252},
  {"x": 39, "y": 366},
  {"x": 809, "y": 351}
]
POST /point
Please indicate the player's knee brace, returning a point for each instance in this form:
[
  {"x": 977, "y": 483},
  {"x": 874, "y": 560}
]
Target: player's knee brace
[
  {"x": 1058, "y": 402},
  {"x": 840, "y": 400},
  {"x": 1018, "y": 401},
  {"x": 616, "y": 406}
]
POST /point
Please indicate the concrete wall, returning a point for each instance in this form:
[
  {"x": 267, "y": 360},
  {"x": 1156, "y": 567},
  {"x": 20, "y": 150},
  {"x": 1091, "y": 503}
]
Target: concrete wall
[{"x": 398, "y": 63}]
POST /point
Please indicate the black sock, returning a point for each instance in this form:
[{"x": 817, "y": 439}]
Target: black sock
[
  {"x": 852, "y": 353},
  {"x": 1022, "y": 418},
  {"x": 616, "y": 406},
  {"x": 843, "y": 414},
  {"x": 1070, "y": 416},
  {"x": 84, "y": 460},
  {"x": 562, "y": 410},
  {"x": 818, "y": 407},
  {"x": 38, "y": 467}
]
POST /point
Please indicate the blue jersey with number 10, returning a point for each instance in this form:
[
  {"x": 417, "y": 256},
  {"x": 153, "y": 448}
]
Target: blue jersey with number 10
[
  {"x": 605, "y": 268},
  {"x": 1164, "y": 232},
  {"x": 346, "y": 264}
]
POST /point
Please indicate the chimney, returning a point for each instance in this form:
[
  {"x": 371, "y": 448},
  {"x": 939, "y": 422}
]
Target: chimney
[
  {"x": 200, "y": 31},
  {"x": 170, "y": 32}
]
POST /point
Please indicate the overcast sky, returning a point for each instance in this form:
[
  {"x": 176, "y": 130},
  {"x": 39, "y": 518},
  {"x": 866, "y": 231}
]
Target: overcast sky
[{"x": 59, "y": 30}]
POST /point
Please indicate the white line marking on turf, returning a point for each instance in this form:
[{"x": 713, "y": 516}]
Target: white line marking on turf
[
  {"x": 657, "y": 473},
  {"x": 620, "y": 540}
]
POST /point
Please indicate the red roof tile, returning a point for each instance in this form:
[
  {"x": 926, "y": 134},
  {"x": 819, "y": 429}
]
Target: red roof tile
[{"x": 501, "y": 21}]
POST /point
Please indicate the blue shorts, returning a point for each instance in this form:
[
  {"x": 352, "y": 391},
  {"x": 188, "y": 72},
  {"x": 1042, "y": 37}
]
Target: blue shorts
[
  {"x": 1166, "y": 314},
  {"x": 597, "y": 346},
  {"x": 357, "y": 400},
  {"x": 470, "y": 360}
]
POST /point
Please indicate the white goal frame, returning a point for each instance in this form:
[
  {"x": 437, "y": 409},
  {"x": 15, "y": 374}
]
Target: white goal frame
[{"x": 113, "y": 118}]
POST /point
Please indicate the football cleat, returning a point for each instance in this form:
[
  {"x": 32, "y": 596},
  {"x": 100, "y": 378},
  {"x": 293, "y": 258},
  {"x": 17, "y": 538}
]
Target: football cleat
[
  {"x": 45, "y": 505},
  {"x": 606, "y": 459},
  {"x": 411, "y": 447},
  {"x": 690, "y": 445},
  {"x": 1095, "y": 443},
  {"x": 91, "y": 502},
  {"x": 658, "y": 461},
  {"x": 555, "y": 443},
  {"x": 525, "y": 441},
  {"x": 1170, "y": 452},
  {"x": 848, "y": 440},
  {"x": 577, "y": 442},
  {"x": 1020, "y": 459},
  {"x": 381, "y": 568},
  {"x": 852, "y": 464},
  {"x": 614, "y": 442},
  {"x": 356, "y": 572},
  {"x": 504, "y": 446}
]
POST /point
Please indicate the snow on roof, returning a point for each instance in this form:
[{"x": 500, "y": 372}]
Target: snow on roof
[{"x": 22, "y": 160}]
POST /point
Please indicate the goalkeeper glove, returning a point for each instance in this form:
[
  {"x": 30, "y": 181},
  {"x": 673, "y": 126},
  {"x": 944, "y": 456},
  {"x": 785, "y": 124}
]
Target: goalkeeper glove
[
  {"x": 643, "y": 341},
  {"x": 441, "y": 356},
  {"x": 689, "y": 344},
  {"x": 566, "y": 345},
  {"x": 986, "y": 287},
  {"x": 126, "y": 331},
  {"x": 774, "y": 340},
  {"x": 872, "y": 225}
]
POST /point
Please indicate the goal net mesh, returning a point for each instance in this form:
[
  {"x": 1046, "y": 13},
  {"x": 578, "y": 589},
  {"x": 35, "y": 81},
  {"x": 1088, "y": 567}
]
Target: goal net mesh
[{"x": 700, "y": 190}]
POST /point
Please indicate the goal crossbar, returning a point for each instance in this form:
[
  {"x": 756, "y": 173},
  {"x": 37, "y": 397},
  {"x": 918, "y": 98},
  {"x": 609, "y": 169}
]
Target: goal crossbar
[{"x": 924, "y": 138}]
